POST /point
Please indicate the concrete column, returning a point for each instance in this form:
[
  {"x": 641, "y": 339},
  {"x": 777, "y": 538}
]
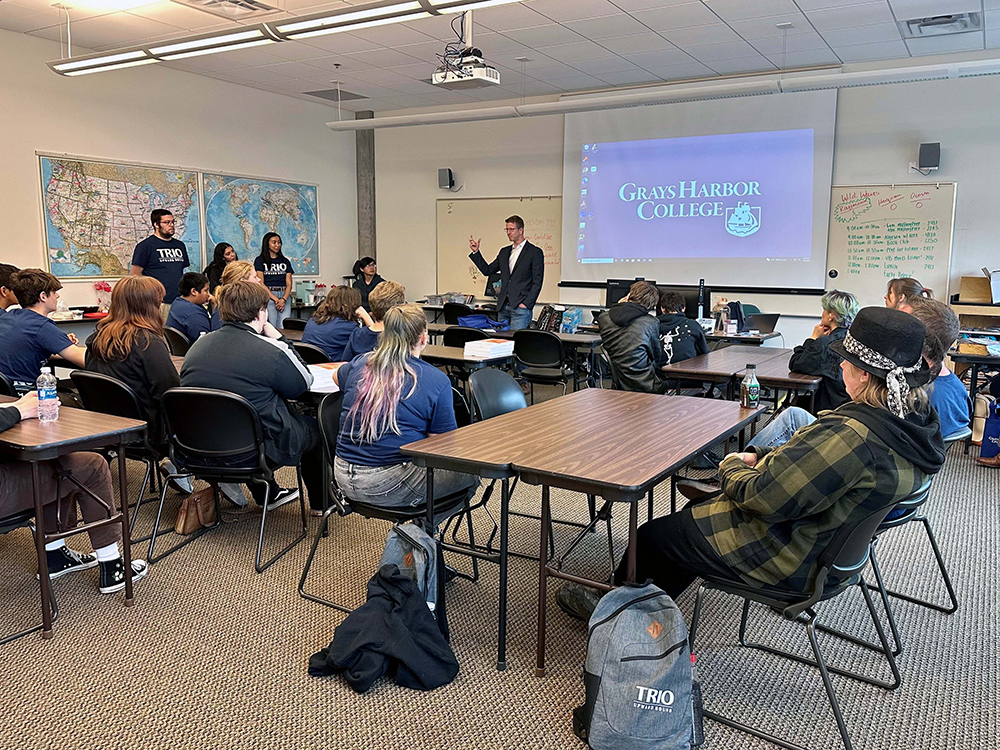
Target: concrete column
[{"x": 365, "y": 146}]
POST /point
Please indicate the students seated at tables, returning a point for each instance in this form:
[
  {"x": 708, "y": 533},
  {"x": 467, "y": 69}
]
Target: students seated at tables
[
  {"x": 631, "y": 338},
  {"x": 223, "y": 255},
  {"x": 778, "y": 509},
  {"x": 682, "y": 338},
  {"x": 386, "y": 295},
  {"x": 391, "y": 398},
  {"x": 238, "y": 270},
  {"x": 7, "y": 297},
  {"x": 91, "y": 470},
  {"x": 28, "y": 336},
  {"x": 899, "y": 291},
  {"x": 815, "y": 355},
  {"x": 187, "y": 312},
  {"x": 337, "y": 318},
  {"x": 366, "y": 278},
  {"x": 249, "y": 357}
]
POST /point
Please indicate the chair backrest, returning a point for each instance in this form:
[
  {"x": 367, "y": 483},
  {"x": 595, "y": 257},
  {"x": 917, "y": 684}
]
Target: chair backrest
[
  {"x": 107, "y": 395},
  {"x": 311, "y": 354},
  {"x": 177, "y": 341},
  {"x": 461, "y": 335},
  {"x": 453, "y": 310},
  {"x": 328, "y": 416},
  {"x": 207, "y": 427},
  {"x": 7, "y": 387},
  {"x": 616, "y": 383},
  {"x": 749, "y": 309},
  {"x": 495, "y": 392},
  {"x": 294, "y": 324},
  {"x": 463, "y": 415},
  {"x": 538, "y": 348}
]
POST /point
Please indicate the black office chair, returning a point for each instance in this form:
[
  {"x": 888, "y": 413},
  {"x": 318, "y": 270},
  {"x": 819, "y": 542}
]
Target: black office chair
[
  {"x": 454, "y": 310},
  {"x": 459, "y": 336},
  {"x": 845, "y": 556},
  {"x": 311, "y": 354},
  {"x": 7, "y": 387},
  {"x": 294, "y": 324},
  {"x": 108, "y": 395},
  {"x": 25, "y": 520},
  {"x": 616, "y": 383},
  {"x": 177, "y": 342},
  {"x": 329, "y": 427},
  {"x": 540, "y": 359},
  {"x": 207, "y": 428}
]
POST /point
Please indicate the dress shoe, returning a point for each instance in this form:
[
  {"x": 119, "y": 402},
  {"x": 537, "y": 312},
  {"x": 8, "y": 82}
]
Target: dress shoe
[
  {"x": 993, "y": 463},
  {"x": 697, "y": 491}
]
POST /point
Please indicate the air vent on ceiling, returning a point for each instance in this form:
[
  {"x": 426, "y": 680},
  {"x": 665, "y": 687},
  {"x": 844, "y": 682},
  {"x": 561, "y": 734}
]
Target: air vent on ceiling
[
  {"x": 236, "y": 10},
  {"x": 957, "y": 23},
  {"x": 333, "y": 95}
]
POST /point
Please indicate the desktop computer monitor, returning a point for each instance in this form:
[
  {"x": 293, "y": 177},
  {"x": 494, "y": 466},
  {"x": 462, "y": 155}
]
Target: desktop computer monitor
[
  {"x": 618, "y": 288},
  {"x": 690, "y": 295}
]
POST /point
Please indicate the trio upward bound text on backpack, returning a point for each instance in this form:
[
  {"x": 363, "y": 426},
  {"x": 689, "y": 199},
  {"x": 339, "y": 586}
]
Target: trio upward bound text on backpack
[{"x": 638, "y": 675}]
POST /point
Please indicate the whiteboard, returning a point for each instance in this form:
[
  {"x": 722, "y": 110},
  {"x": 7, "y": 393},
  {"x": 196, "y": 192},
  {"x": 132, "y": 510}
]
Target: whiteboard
[
  {"x": 458, "y": 218},
  {"x": 882, "y": 232}
]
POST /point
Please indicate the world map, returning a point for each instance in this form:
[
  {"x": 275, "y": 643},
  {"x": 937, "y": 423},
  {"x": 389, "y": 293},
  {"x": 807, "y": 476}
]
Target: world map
[
  {"x": 96, "y": 212},
  {"x": 241, "y": 210}
]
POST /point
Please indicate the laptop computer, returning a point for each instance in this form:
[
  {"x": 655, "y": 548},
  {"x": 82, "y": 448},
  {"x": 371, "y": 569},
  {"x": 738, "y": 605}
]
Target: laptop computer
[{"x": 761, "y": 322}]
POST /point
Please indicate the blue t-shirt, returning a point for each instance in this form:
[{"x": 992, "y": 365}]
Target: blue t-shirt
[
  {"x": 429, "y": 409},
  {"x": 27, "y": 338},
  {"x": 190, "y": 319},
  {"x": 951, "y": 399},
  {"x": 362, "y": 341},
  {"x": 164, "y": 260},
  {"x": 331, "y": 336},
  {"x": 273, "y": 271}
]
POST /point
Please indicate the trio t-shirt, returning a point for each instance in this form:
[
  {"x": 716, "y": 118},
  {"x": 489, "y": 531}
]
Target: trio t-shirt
[
  {"x": 190, "y": 319},
  {"x": 27, "y": 338},
  {"x": 273, "y": 270},
  {"x": 331, "y": 336},
  {"x": 164, "y": 260}
]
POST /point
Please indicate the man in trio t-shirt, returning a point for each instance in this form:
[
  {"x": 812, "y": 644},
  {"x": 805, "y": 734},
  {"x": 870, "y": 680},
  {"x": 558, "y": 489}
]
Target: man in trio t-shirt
[{"x": 161, "y": 256}]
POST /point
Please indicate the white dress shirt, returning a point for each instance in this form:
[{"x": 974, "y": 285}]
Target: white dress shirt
[{"x": 515, "y": 253}]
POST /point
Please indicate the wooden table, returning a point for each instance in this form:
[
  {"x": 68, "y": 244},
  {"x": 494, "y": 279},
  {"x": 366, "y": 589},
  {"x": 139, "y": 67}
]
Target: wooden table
[
  {"x": 976, "y": 362},
  {"x": 291, "y": 334},
  {"x": 722, "y": 365},
  {"x": 774, "y": 373},
  {"x": 756, "y": 339},
  {"x": 455, "y": 355},
  {"x": 75, "y": 430}
]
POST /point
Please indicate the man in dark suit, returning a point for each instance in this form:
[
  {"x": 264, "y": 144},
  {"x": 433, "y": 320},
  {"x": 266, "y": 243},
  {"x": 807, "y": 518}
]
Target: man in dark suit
[{"x": 521, "y": 266}]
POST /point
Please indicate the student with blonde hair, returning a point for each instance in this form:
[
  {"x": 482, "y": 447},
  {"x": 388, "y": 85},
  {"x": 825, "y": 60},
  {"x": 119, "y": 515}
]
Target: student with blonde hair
[
  {"x": 237, "y": 270},
  {"x": 391, "y": 398}
]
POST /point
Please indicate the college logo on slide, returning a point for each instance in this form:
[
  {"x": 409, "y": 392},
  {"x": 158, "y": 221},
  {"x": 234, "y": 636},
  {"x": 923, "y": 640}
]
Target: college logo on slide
[{"x": 743, "y": 220}]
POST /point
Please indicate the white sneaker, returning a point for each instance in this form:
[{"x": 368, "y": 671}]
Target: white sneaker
[{"x": 234, "y": 494}]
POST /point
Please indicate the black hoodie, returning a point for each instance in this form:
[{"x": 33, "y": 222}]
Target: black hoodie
[
  {"x": 681, "y": 337},
  {"x": 917, "y": 438},
  {"x": 630, "y": 336}
]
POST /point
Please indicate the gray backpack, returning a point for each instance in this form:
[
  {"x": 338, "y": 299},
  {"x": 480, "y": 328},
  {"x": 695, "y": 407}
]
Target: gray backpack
[
  {"x": 418, "y": 556},
  {"x": 637, "y": 674}
]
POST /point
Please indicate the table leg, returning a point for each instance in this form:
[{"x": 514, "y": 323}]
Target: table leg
[
  {"x": 633, "y": 527},
  {"x": 576, "y": 369},
  {"x": 502, "y": 626},
  {"x": 430, "y": 499},
  {"x": 126, "y": 535},
  {"x": 649, "y": 506},
  {"x": 542, "y": 583},
  {"x": 973, "y": 383},
  {"x": 43, "y": 565},
  {"x": 673, "y": 493}
]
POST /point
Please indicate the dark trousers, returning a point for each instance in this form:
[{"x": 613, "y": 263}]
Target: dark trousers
[
  {"x": 672, "y": 552},
  {"x": 312, "y": 477}
]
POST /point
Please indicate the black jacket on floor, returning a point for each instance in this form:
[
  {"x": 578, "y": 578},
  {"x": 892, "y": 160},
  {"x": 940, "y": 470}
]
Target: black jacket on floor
[{"x": 392, "y": 631}]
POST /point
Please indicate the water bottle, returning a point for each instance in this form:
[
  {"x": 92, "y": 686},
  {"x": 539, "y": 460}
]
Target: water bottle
[
  {"x": 697, "y": 708},
  {"x": 48, "y": 399},
  {"x": 750, "y": 389}
]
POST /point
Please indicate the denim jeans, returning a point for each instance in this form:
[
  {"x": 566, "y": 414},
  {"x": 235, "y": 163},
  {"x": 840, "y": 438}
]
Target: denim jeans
[
  {"x": 781, "y": 428},
  {"x": 400, "y": 485},
  {"x": 518, "y": 317},
  {"x": 275, "y": 318}
]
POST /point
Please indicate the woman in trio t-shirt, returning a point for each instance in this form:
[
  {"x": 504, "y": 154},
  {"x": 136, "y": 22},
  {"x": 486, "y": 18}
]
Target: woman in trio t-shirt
[{"x": 276, "y": 271}]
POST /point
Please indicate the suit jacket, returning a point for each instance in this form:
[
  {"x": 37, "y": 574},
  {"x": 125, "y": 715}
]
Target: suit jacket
[{"x": 521, "y": 287}]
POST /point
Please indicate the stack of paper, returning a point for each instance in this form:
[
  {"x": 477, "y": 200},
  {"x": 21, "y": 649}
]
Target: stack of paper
[
  {"x": 323, "y": 377},
  {"x": 489, "y": 348}
]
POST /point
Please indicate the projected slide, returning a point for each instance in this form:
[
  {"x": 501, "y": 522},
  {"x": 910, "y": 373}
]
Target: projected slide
[{"x": 737, "y": 196}]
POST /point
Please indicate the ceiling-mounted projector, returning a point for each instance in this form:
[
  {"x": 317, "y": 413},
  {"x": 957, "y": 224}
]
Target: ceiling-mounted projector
[{"x": 470, "y": 71}]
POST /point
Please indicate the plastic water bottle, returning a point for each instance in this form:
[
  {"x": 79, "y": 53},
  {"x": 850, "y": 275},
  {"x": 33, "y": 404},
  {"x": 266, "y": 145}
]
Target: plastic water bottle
[
  {"x": 697, "y": 708},
  {"x": 48, "y": 399},
  {"x": 750, "y": 389}
]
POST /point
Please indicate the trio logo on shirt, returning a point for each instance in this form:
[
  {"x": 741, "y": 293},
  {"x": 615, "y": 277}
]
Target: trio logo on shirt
[
  {"x": 274, "y": 267},
  {"x": 170, "y": 254}
]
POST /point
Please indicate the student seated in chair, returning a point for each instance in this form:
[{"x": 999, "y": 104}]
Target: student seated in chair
[
  {"x": 682, "y": 338},
  {"x": 249, "y": 357},
  {"x": 7, "y": 297},
  {"x": 91, "y": 470},
  {"x": 631, "y": 338},
  {"x": 237, "y": 270},
  {"x": 187, "y": 312},
  {"x": 27, "y": 336},
  {"x": 816, "y": 356},
  {"x": 384, "y": 297},
  {"x": 331, "y": 326},
  {"x": 777, "y": 509},
  {"x": 391, "y": 398}
]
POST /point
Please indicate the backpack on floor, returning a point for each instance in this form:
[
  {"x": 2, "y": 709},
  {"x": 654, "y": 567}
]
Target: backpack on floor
[
  {"x": 418, "y": 557},
  {"x": 637, "y": 674}
]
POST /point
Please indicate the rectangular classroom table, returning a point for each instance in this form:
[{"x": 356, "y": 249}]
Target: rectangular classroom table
[
  {"x": 774, "y": 373},
  {"x": 976, "y": 362},
  {"x": 75, "y": 430},
  {"x": 722, "y": 365}
]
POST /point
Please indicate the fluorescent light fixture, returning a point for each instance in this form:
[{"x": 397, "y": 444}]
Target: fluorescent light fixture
[
  {"x": 317, "y": 20},
  {"x": 90, "y": 62},
  {"x": 214, "y": 40},
  {"x": 460, "y": 6},
  {"x": 359, "y": 26},
  {"x": 213, "y": 50},
  {"x": 104, "y": 68}
]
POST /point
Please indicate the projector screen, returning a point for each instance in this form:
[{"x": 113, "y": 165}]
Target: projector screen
[{"x": 736, "y": 192}]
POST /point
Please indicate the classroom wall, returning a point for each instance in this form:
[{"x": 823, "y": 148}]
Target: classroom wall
[
  {"x": 878, "y": 132},
  {"x": 157, "y": 115}
]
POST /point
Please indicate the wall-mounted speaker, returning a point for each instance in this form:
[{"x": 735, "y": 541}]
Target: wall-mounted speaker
[
  {"x": 930, "y": 156},
  {"x": 446, "y": 179}
]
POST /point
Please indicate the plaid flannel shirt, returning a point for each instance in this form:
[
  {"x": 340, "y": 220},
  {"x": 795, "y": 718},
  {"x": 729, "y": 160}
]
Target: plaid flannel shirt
[{"x": 772, "y": 521}]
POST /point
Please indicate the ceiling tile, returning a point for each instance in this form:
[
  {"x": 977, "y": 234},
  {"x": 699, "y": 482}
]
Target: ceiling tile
[
  {"x": 416, "y": 88},
  {"x": 659, "y": 58},
  {"x": 210, "y": 63},
  {"x": 991, "y": 4},
  {"x": 992, "y": 19},
  {"x": 607, "y": 26},
  {"x": 256, "y": 75},
  {"x": 392, "y": 35},
  {"x": 740, "y": 10},
  {"x": 677, "y": 16},
  {"x": 443, "y": 96},
  {"x": 15, "y": 18},
  {"x": 573, "y": 10},
  {"x": 628, "y": 77},
  {"x": 380, "y": 77},
  {"x": 808, "y": 5},
  {"x": 693, "y": 36},
  {"x": 302, "y": 7},
  {"x": 993, "y": 38},
  {"x": 492, "y": 94},
  {"x": 417, "y": 71},
  {"x": 934, "y": 45},
  {"x": 879, "y": 51},
  {"x": 339, "y": 64},
  {"x": 408, "y": 101},
  {"x": 764, "y": 28},
  {"x": 534, "y": 88},
  {"x": 45, "y": 7},
  {"x": 848, "y": 16},
  {"x": 550, "y": 71},
  {"x": 879, "y": 32},
  {"x": 679, "y": 72},
  {"x": 791, "y": 43},
  {"x": 805, "y": 58},
  {"x": 181, "y": 16},
  {"x": 437, "y": 27},
  {"x": 341, "y": 43},
  {"x": 296, "y": 51},
  {"x": 508, "y": 59},
  {"x": 605, "y": 65},
  {"x": 543, "y": 36},
  {"x": 425, "y": 52},
  {"x": 492, "y": 43},
  {"x": 116, "y": 29},
  {"x": 906, "y": 9},
  {"x": 741, "y": 65},
  {"x": 251, "y": 56},
  {"x": 633, "y": 5},
  {"x": 515, "y": 16},
  {"x": 581, "y": 83},
  {"x": 577, "y": 51},
  {"x": 291, "y": 70},
  {"x": 382, "y": 58},
  {"x": 636, "y": 43},
  {"x": 727, "y": 51}
]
